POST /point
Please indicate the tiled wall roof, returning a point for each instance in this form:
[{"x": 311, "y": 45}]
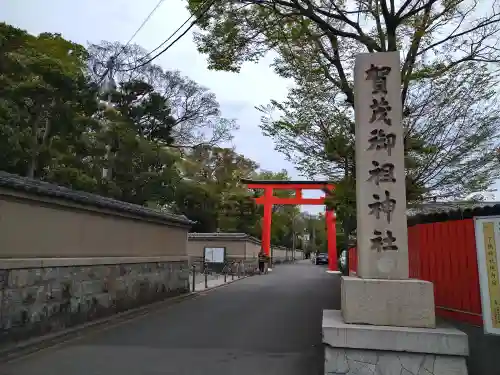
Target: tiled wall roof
[
  {"x": 40, "y": 188},
  {"x": 446, "y": 211}
]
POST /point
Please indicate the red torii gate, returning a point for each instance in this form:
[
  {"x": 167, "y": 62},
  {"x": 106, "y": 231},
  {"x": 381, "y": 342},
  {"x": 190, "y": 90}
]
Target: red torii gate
[{"x": 269, "y": 199}]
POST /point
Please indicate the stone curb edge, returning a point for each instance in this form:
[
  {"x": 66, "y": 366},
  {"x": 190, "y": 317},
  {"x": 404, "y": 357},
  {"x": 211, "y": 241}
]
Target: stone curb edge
[{"x": 50, "y": 340}]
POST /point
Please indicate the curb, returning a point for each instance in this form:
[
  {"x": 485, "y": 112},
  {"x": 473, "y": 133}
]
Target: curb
[
  {"x": 196, "y": 292},
  {"x": 36, "y": 344}
]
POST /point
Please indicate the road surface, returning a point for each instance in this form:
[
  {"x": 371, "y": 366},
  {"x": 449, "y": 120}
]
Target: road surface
[{"x": 261, "y": 325}]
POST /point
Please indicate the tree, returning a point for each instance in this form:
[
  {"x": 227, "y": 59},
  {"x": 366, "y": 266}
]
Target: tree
[
  {"x": 219, "y": 166},
  {"x": 317, "y": 45},
  {"x": 311, "y": 133},
  {"x": 46, "y": 102},
  {"x": 53, "y": 128},
  {"x": 196, "y": 115},
  {"x": 198, "y": 203},
  {"x": 450, "y": 111},
  {"x": 137, "y": 127},
  {"x": 148, "y": 111},
  {"x": 219, "y": 171}
]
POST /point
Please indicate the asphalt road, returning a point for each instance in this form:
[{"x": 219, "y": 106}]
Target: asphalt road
[{"x": 260, "y": 325}]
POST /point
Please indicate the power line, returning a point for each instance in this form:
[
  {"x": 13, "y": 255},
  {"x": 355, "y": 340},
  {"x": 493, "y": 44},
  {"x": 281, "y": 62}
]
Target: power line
[
  {"x": 166, "y": 40},
  {"x": 207, "y": 8},
  {"x": 245, "y": 3},
  {"x": 113, "y": 59},
  {"x": 144, "y": 22}
]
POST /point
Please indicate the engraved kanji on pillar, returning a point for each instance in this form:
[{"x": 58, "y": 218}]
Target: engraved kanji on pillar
[{"x": 380, "y": 178}]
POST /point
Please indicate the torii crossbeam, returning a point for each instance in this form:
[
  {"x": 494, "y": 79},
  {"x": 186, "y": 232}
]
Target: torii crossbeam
[{"x": 269, "y": 199}]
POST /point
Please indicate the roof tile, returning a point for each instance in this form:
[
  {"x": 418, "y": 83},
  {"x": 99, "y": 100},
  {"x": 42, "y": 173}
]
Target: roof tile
[{"x": 28, "y": 185}]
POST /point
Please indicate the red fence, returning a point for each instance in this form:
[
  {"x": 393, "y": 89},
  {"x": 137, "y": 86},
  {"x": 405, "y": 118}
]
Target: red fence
[
  {"x": 445, "y": 253},
  {"x": 353, "y": 261}
]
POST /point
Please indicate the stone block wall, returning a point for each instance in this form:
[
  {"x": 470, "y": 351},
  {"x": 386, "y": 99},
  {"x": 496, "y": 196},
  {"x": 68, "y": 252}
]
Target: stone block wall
[
  {"x": 281, "y": 255},
  {"x": 37, "y": 301},
  {"x": 278, "y": 255},
  {"x": 233, "y": 265},
  {"x": 340, "y": 361}
]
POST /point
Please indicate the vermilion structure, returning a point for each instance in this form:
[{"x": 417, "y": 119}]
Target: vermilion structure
[{"x": 269, "y": 199}]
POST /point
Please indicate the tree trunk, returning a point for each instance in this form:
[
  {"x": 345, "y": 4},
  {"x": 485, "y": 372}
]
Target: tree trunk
[
  {"x": 32, "y": 167},
  {"x": 37, "y": 147}
]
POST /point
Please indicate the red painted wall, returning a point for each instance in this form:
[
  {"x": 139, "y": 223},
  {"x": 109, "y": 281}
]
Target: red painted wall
[
  {"x": 353, "y": 261},
  {"x": 445, "y": 253}
]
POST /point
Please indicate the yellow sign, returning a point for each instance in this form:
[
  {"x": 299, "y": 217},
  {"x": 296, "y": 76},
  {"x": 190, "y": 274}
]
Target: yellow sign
[{"x": 490, "y": 248}]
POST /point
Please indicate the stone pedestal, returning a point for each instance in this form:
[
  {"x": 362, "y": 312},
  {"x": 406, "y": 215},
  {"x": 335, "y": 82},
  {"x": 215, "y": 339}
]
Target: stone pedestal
[
  {"x": 388, "y": 327},
  {"x": 404, "y": 303},
  {"x": 352, "y": 349}
]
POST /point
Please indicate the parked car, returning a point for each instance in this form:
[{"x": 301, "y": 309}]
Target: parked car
[{"x": 321, "y": 258}]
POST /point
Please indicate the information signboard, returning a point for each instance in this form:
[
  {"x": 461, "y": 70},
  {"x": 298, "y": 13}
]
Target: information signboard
[
  {"x": 488, "y": 258},
  {"x": 214, "y": 254}
]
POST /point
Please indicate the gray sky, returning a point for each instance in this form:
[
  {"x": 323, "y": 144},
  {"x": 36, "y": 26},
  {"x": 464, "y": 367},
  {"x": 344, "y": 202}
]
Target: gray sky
[{"x": 117, "y": 20}]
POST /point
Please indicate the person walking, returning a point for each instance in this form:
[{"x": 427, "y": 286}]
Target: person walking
[{"x": 262, "y": 261}]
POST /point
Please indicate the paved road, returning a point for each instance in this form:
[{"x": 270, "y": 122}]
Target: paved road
[{"x": 261, "y": 325}]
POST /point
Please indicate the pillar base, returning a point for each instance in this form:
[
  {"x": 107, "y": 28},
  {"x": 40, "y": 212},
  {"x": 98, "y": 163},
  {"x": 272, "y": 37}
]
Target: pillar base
[
  {"x": 334, "y": 272},
  {"x": 368, "y": 349},
  {"x": 403, "y": 303}
]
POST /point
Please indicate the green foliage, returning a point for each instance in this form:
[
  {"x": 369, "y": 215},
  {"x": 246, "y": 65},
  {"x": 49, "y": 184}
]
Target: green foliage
[
  {"x": 225, "y": 202},
  {"x": 449, "y": 78},
  {"x": 196, "y": 202},
  {"x": 46, "y": 102}
]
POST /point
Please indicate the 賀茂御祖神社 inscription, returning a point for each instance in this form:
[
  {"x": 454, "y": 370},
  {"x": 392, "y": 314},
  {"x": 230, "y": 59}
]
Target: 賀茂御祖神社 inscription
[
  {"x": 381, "y": 200},
  {"x": 378, "y": 76},
  {"x": 380, "y": 107},
  {"x": 382, "y": 173},
  {"x": 380, "y": 140},
  {"x": 385, "y": 206},
  {"x": 380, "y": 243},
  {"x": 380, "y": 111}
]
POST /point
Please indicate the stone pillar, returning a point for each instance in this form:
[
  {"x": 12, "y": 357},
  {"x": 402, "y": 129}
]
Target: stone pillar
[
  {"x": 387, "y": 322},
  {"x": 382, "y": 239}
]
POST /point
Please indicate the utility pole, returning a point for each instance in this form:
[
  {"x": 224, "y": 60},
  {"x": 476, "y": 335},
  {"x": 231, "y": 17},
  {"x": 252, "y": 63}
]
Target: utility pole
[
  {"x": 294, "y": 235},
  {"x": 305, "y": 240},
  {"x": 107, "y": 87},
  {"x": 313, "y": 236}
]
